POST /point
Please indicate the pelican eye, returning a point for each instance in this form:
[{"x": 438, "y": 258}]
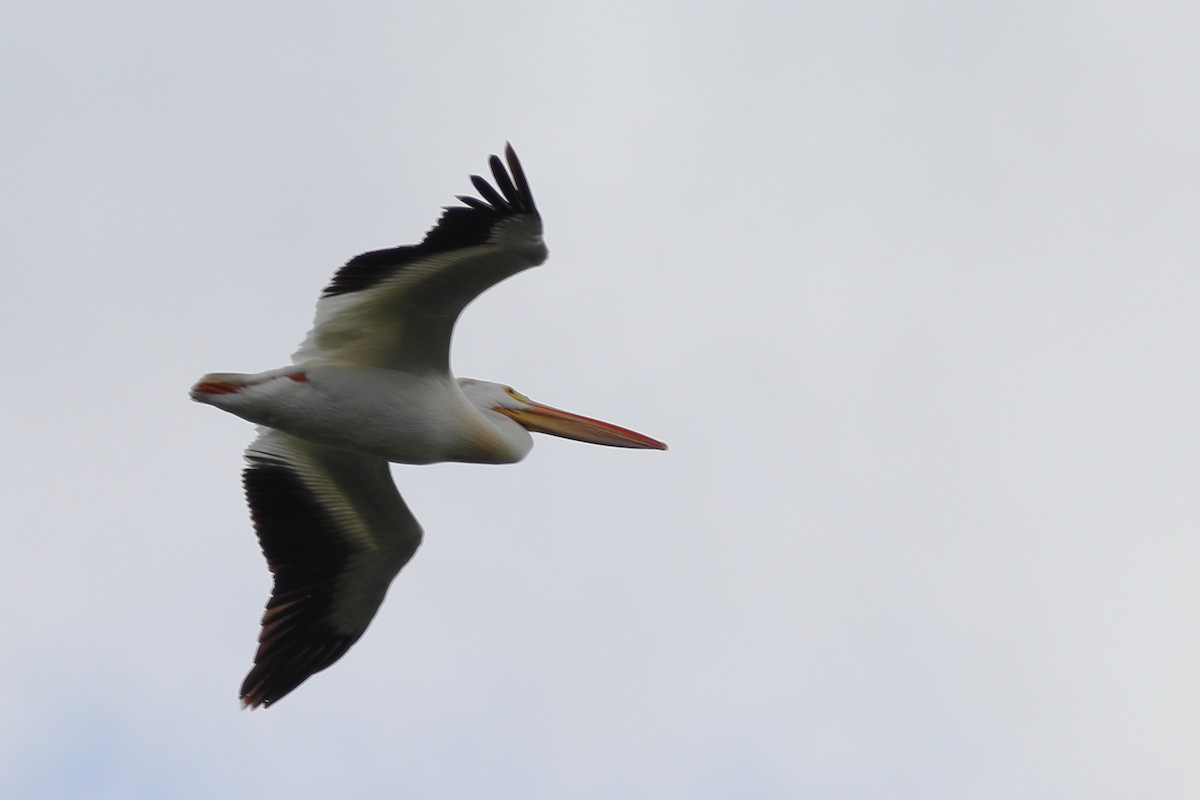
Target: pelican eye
[{"x": 513, "y": 393}]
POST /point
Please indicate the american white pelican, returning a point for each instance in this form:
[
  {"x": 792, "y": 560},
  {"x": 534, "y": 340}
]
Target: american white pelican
[{"x": 370, "y": 384}]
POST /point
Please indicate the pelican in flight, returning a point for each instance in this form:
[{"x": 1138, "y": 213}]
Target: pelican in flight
[{"x": 371, "y": 383}]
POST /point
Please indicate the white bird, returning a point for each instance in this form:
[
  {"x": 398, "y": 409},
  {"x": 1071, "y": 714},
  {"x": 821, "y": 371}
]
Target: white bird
[{"x": 371, "y": 383}]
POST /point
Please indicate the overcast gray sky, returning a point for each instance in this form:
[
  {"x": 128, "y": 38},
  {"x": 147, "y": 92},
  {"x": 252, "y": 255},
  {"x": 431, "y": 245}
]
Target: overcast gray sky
[{"x": 910, "y": 289}]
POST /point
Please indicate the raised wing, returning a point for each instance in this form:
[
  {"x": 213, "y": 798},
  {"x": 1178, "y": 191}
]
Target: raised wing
[
  {"x": 335, "y": 532},
  {"x": 396, "y": 308}
]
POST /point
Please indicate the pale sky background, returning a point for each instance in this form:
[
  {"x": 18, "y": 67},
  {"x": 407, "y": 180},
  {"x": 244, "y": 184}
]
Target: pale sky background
[{"x": 911, "y": 290}]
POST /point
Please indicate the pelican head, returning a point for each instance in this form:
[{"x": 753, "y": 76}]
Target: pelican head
[{"x": 538, "y": 418}]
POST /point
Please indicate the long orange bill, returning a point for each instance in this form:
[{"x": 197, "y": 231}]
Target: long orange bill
[{"x": 556, "y": 422}]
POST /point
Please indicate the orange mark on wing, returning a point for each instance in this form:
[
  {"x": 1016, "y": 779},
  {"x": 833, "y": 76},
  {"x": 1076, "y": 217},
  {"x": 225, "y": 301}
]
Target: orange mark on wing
[
  {"x": 217, "y": 387},
  {"x": 298, "y": 377}
]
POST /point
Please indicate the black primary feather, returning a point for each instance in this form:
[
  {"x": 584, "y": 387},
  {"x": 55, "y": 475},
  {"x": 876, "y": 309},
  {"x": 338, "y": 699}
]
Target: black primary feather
[
  {"x": 459, "y": 227},
  {"x": 306, "y": 556}
]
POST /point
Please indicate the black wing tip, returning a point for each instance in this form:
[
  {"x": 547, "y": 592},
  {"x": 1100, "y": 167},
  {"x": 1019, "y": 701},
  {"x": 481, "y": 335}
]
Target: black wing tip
[
  {"x": 297, "y": 538},
  {"x": 518, "y": 174},
  {"x": 470, "y": 223},
  {"x": 493, "y": 198},
  {"x": 514, "y": 196},
  {"x": 277, "y": 674},
  {"x": 459, "y": 226}
]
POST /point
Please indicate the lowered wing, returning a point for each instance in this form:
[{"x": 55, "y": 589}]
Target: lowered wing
[{"x": 335, "y": 532}]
